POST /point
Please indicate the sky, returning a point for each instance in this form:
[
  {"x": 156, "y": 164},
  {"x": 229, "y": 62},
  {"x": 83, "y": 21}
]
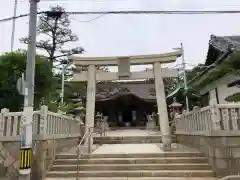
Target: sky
[{"x": 120, "y": 35}]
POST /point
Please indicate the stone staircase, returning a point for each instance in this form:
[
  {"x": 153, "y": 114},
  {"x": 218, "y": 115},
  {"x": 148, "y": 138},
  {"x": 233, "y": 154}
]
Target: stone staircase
[
  {"x": 151, "y": 166},
  {"x": 130, "y": 139}
]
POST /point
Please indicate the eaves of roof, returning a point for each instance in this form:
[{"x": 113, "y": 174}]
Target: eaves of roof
[{"x": 225, "y": 45}]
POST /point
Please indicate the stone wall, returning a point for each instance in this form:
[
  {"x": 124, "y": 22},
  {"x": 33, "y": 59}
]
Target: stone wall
[
  {"x": 42, "y": 160},
  {"x": 223, "y": 152}
]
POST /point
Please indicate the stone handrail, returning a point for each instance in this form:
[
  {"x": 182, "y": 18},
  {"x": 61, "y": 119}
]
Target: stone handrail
[
  {"x": 46, "y": 125},
  {"x": 231, "y": 177},
  {"x": 210, "y": 120}
]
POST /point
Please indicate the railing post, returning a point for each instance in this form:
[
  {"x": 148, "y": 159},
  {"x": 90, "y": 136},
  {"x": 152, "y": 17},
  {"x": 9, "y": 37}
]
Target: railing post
[
  {"x": 196, "y": 120},
  {"x": 184, "y": 123},
  {"x": 40, "y": 147},
  {"x": 81, "y": 127},
  {"x": 90, "y": 139},
  {"x": 215, "y": 115},
  {"x": 2, "y": 119},
  {"x": 176, "y": 122},
  {"x": 43, "y": 129}
]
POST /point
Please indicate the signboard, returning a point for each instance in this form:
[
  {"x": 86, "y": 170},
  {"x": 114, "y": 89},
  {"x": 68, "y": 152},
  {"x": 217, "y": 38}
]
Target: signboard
[{"x": 25, "y": 158}]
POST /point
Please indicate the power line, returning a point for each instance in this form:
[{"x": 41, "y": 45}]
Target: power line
[
  {"x": 19, "y": 16},
  {"x": 11, "y": 18},
  {"x": 136, "y": 12},
  {"x": 154, "y": 12},
  {"x": 91, "y": 1},
  {"x": 90, "y": 20},
  {"x": 82, "y": 0}
]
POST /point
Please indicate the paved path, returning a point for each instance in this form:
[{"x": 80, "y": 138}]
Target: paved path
[
  {"x": 127, "y": 149},
  {"x": 131, "y": 132},
  {"x": 136, "y": 148}
]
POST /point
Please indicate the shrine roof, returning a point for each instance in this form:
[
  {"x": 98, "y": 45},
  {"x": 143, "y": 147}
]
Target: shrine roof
[
  {"x": 218, "y": 45},
  {"x": 112, "y": 91}
]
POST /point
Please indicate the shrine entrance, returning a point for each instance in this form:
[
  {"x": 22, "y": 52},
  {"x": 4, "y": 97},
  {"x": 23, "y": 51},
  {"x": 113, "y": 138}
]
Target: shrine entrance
[
  {"x": 126, "y": 110},
  {"x": 92, "y": 76}
]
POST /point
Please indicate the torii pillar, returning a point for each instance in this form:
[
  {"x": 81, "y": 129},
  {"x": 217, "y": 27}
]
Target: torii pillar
[
  {"x": 90, "y": 106},
  {"x": 162, "y": 106}
]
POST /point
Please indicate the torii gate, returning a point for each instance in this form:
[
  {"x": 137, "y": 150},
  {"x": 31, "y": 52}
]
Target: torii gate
[{"x": 124, "y": 73}]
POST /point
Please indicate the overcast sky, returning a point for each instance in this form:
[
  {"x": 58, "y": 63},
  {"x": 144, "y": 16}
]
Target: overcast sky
[{"x": 113, "y": 35}]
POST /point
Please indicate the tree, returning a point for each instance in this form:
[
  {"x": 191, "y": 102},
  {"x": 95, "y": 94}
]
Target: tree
[
  {"x": 54, "y": 30},
  {"x": 55, "y": 33},
  {"x": 12, "y": 65}
]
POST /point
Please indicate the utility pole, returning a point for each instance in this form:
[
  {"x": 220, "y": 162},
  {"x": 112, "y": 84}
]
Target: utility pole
[
  {"x": 185, "y": 78},
  {"x": 63, "y": 78},
  {"x": 13, "y": 24},
  {"x": 26, "y": 122}
]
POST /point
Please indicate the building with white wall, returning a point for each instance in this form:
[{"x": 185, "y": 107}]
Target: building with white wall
[{"x": 222, "y": 88}]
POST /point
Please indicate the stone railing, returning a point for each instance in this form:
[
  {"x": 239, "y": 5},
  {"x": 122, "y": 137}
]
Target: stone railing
[
  {"x": 215, "y": 131},
  {"x": 224, "y": 118},
  {"x": 46, "y": 125},
  {"x": 52, "y": 133},
  {"x": 233, "y": 177}
]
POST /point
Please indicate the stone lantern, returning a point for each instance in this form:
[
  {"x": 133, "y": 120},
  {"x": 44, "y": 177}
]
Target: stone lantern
[
  {"x": 175, "y": 107},
  {"x": 99, "y": 123}
]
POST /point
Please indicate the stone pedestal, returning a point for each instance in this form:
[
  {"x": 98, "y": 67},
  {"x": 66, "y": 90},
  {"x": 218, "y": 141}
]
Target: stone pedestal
[{"x": 106, "y": 125}]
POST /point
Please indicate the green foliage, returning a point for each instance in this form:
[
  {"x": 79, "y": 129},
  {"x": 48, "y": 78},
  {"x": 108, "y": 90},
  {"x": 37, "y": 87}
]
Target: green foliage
[
  {"x": 74, "y": 91},
  {"x": 70, "y": 107},
  {"x": 12, "y": 65},
  {"x": 233, "y": 98}
]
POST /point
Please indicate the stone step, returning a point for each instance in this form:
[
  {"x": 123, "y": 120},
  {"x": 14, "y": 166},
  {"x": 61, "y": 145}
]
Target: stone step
[
  {"x": 138, "y": 178},
  {"x": 159, "y": 160},
  {"x": 141, "y": 173},
  {"x": 130, "y": 155},
  {"x": 153, "y": 136},
  {"x": 131, "y": 167},
  {"x": 129, "y": 139}
]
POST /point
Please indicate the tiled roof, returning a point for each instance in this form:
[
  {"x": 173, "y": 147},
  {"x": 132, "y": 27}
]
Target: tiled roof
[
  {"x": 219, "y": 45},
  {"x": 141, "y": 90}
]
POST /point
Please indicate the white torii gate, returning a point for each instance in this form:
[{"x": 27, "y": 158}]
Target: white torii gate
[{"x": 124, "y": 73}]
